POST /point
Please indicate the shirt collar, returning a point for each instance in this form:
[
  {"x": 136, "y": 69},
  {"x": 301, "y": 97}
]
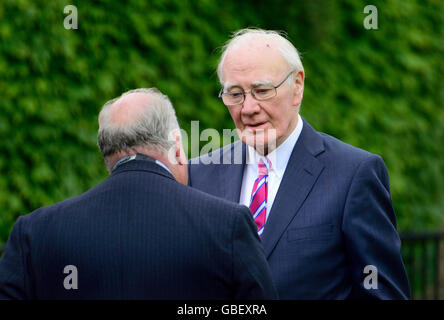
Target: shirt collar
[
  {"x": 136, "y": 157},
  {"x": 163, "y": 166},
  {"x": 280, "y": 156}
]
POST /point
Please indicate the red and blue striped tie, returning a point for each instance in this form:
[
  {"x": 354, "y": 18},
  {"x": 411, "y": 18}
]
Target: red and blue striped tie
[{"x": 259, "y": 196}]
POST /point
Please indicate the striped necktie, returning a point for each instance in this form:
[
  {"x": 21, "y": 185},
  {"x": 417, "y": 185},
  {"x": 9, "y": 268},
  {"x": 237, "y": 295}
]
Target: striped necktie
[{"x": 259, "y": 195}]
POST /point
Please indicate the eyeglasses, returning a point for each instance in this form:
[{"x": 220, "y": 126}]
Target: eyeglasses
[{"x": 261, "y": 92}]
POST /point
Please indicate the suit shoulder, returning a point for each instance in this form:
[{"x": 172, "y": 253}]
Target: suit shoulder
[
  {"x": 344, "y": 151},
  {"x": 45, "y": 213},
  {"x": 349, "y": 160},
  {"x": 229, "y": 154},
  {"x": 208, "y": 203}
]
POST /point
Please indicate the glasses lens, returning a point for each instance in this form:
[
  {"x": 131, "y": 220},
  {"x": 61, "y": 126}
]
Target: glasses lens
[
  {"x": 264, "y": 92},
  {"x": 234, "y": 97}
]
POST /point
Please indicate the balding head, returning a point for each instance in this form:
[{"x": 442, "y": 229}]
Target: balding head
[
  {"x": 265, "y": 41},
  {"x": 140, "y": 118},
  {"x": 128, "y": 108}
]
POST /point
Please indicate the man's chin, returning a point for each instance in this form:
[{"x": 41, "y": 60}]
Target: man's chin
[
  {"x": 260, "y": 145},
  {"x": 259, "y": 140}
]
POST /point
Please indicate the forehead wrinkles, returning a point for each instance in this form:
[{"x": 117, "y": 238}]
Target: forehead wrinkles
[{"x": 253, "y": 61}]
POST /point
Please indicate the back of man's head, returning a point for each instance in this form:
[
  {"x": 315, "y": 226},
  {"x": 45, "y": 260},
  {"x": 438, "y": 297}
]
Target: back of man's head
[{"x": 138, "y": 119}]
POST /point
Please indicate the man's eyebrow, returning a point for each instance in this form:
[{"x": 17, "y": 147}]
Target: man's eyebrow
[
  {"x": 262, "y": 83},
  {"x": 230, "y": 85}
]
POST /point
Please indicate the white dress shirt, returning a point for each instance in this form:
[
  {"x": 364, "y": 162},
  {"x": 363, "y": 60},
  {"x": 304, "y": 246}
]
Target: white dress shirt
[
  {"x": 133, "y": 157},
  {"x": 279, "y": 160},
  {"x": 163, "y": 166}
]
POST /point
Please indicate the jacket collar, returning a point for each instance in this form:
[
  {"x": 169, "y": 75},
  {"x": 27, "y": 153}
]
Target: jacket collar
[{"x": 142, "y": 163}]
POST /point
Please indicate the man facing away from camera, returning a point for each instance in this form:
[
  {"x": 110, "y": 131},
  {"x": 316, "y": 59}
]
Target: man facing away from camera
[
  {"x": 142, "y": 233},
  {"x": 322, "y": 208}
]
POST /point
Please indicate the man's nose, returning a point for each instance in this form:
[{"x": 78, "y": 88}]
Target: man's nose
[{"x": 250, "y": 105}]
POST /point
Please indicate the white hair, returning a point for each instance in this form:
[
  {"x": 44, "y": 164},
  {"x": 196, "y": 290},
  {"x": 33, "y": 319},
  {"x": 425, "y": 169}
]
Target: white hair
[
  {"x": 244, "y": 36},
  {"x": 151, "y": 128}
]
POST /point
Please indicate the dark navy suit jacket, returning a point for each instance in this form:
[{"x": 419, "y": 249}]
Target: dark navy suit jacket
[
  {"x": 332, "y": 217},
  {"x": 137, "y": 235}
]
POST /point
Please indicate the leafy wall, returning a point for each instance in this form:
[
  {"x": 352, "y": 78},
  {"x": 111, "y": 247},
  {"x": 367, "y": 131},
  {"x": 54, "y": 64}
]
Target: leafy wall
[{"x": 381, "y": 90}]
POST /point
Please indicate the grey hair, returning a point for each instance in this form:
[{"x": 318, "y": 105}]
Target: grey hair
[
  {"x": 152, "y": 128},
  {"x": 243, "y": 36}
]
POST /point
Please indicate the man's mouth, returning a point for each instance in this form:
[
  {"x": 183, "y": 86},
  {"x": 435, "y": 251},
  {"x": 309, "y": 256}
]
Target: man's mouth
[{"x": 255, "y": 126}]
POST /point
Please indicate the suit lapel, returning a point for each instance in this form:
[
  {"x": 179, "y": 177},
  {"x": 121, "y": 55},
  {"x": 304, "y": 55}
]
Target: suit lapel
[
  {"x": 232, "y": 171},
  {"x": 299, "y": 178}
]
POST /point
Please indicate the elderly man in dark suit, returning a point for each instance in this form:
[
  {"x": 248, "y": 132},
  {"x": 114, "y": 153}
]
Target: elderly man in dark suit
[
  {"x": 322, "y": 207},
  {"x": 142, "y": 233}
]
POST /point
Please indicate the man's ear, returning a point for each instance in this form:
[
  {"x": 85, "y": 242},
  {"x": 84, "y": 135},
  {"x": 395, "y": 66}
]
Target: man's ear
[
  {"x": 180, "y": 153},
  {"x": 299, "y": 87}
]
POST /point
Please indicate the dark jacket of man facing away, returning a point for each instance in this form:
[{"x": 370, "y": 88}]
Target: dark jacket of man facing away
[{"x": 140, "y": 234}]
